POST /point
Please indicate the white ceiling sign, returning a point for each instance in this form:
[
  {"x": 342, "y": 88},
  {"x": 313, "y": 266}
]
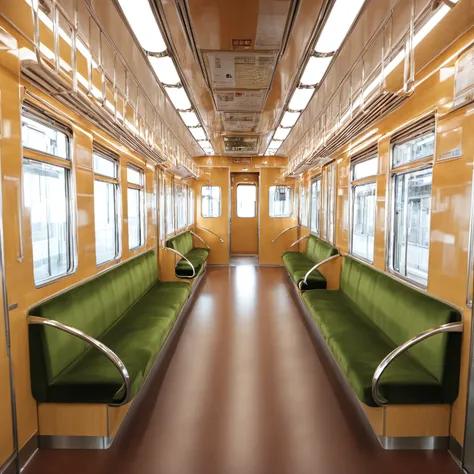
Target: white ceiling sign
[
  {"x": 239, "y": 101},
  {"x": 241, "y": 70},
  {"x": 240, "y": 122}
]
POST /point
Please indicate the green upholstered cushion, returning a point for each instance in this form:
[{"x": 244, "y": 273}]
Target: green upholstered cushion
[
  {"x": 137, "y": 339},
  {"x": 318, "y": 250},
  {"x": 359, "y": 346},
  {"x": 370, "y": 316},
  {"x": 197, "y": 257},
  {"x": 297, "y": 265},
  {"x": 126, "y": 300},
  {"x": 402, "y": 312},
  {"x": 182, "y": 243}
]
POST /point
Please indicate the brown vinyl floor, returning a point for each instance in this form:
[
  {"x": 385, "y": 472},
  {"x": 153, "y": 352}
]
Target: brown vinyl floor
[{"x": 245, "y": 393}]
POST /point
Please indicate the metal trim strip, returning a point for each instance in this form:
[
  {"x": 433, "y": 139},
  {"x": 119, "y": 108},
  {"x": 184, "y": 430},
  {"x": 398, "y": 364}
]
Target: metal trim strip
[{"x": 430, "y": 443}]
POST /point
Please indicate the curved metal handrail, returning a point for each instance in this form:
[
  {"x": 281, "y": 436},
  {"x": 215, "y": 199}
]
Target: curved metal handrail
[
  {"x": 300, "y": 239},
  {"x": 169, "y": 249},
  {"x": 308, "y": 273},
  {"x": 450, "y": 327},
  {"x": 283, "y": 231},
  {"x": 210, "y": 231},
  {"x": 200, "y": 238},
  {"x": 102, "y": 348}
]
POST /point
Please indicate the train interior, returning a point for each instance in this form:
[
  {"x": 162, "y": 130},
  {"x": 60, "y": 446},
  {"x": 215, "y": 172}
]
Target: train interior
[{"x": 236, "y": 236}]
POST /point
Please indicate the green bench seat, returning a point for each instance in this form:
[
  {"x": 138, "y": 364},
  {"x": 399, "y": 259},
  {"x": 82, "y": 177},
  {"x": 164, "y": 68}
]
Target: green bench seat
[
  {"x": 370, "y": 316},
  {"x": 299, "y": 263},
  {"x": 183, "y": 243},
  {"x": 128, "y": 309}
]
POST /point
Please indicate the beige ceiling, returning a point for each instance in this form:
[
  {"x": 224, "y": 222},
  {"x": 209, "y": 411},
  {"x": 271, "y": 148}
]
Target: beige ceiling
[{"x": 257, "y": 84}]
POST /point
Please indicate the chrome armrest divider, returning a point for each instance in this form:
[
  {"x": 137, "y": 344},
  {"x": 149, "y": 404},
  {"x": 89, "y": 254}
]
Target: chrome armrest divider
[
  {"x": 169, "y": 249},
  {"x": 305, "y": 279},
  {"x": 102, "y": 348}
]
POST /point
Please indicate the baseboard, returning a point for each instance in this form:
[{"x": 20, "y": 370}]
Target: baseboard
[
  {"x": 10, "y": 466},
  {"x": 430, "y": 443},
  {"x": 28, "y": 451},
  {"x": 151, "y": 384},
  {"x": 75, "y": 442},
  {"x": 455, "y": 449}
]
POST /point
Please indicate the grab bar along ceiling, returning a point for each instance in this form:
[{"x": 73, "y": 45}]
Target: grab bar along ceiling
[
  {"x": 95, "y": 81},
  {"x": 362, "y": 97}
]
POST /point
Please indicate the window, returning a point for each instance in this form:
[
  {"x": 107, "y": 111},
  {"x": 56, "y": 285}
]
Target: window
[
  {"x": 162, "y": 205},
  {"x": 181, "y": 206},
  {"x": 246, "y": 200},
  {"x": 191, "y": 207},
  {"x": 211, "y": 201},
  {"x": 413, "y": 150},
  {"x": 136, "y": 207},
  {"x": 331, "y": 204},
  {"x": 47, "y": 195},
  {"x": 316, "y": 206},
  {"x": 280, "y": 201},
  {"x": 169, "y": 207},
  {"x": 106, "y": 208},
  {"x": 303, "y": 207},
  {"x": 364, "y": 172}
]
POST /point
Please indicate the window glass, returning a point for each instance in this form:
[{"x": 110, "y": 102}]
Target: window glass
[
  {"x": 363, "y": 221},
  {"x": 44, "y": 138},
  {"x": 169, "y": 209},
  {"x": 191, "y": 206},
  {"x": 105, "y": 166},
  {"x": 211, "y": 201},
  {"x": 331, "y": 204},
  {"x": 46, "y": 195},
  {"x": 303, "y": 207},
  {"x": 364, "y": 169},
  {"x": 134, "y": 175},
  {"x": 106, "y": 216},
  {"x": 315, "y": 206},
  {"x": 162, "y": 207},
  {"x": 280, "y": 201},
  {"x": 246, "y": 200},
  {"x": 136, "y": 207},
  {"x": 181, "y": 207},
  {"x": 411, "y": 236},
  {"x": 416, "y": 149}
]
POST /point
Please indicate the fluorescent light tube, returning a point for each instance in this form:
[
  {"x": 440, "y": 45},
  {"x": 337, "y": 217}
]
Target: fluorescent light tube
[
  {"x": 190, "y": 119},
  {"x": 142, "y": 21},
  {"x": 315, "y": 70},
  {"x": 274, "y": 145},
  {"x": 289, "y": 119},
  {"x": 300, "y": 99},
  {"x": 178, "y": 97},
  {"x": 165, "y": 70},
  {"x": 282, "y": 133},
  {"x": 198, "y": 133},
  {"x": 205, "y": 144},
  {"x": 340, "y": 20}
]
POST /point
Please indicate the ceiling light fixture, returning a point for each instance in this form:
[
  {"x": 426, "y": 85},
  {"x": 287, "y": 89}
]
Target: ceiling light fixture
[
  {"x": 165, "y": 70},
  {"x": 178, "y": 97},
  {"x": 142, "y": 21},
  {"x": 282, "y": 133},
  {"x": 198, "y": 133},
  {"x": 289, "y": 119},
  {"x": 315, "y": 70},
  {"x": 300, "y": 99},
  {"x": 338, "y": 24}
]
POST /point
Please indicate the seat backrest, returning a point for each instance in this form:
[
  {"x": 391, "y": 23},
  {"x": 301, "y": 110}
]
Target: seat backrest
[
  {"x": 318, "y": 250},
  {"x": 92, "y": 307},
  {"x": 403, "y": 312},
  {"x": 182, "y": 243}
]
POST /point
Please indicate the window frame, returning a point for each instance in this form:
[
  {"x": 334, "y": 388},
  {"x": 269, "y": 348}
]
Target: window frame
[
  {"x": 422, "y": 164},
  {"x": 353, "y": 184},
  {"x": 142, "y": 202},
  {"x": 291, "y": 210},
  {"x": 184, "y": 188},
  {"x": 303, "y": 208},
  {"x": 237, "y": 201},
  {"x": 315, "y": 180},
  {"x": 220, "y": 201},
  {"x": 31, "y": 154},
  {"x": 118, "y": 201}
]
